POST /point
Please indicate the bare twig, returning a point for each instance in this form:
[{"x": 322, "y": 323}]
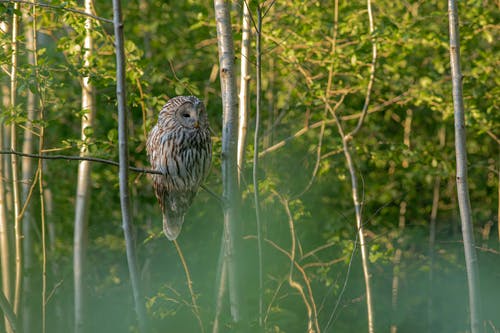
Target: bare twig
[
  {"x": 46, "y": 5},
  {"x": 196, "y": 310},
  {"x": 369, "y": 87},
  {"x": 9, "y": 313},
  {"x": 78, "y": 158},
  {"x": 304, "y": 130},
  {"x": 311, "y": 307},
  {"x": 98, "y": 160}
]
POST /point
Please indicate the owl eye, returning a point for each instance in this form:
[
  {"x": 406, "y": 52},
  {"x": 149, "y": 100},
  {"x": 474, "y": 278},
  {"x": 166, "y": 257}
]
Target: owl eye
[{"x": 186, "y": 115}]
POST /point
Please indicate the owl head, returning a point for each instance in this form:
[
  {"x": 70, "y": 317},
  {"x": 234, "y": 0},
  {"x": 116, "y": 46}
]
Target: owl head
[{"x": 188, "y": 112}]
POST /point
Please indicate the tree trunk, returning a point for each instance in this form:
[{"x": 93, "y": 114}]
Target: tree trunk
[
  {"x": 229, "y": 148},
  {"x": 83, "y": 181},
  {"x": 244, "y": 85},
  {"x": 4, "y": 225},
  {"x": 401, "y": 226},
  {"x": 432, "y": 237},
  {"x": 461, "y": 172},
  {"x": 14, "y": 162},
  {"x": 256, "y": 161},
  {"x": 123, "y": 168},
  {"x": 27, "y": 176}
]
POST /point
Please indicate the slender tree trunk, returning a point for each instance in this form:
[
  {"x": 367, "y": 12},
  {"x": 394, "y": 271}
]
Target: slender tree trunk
[
  {"x": 10, "y": 317},
  {"x": 358, "y": 209},
  {"x": 358, "y": 205},
  {"x": 123, "y": 168},
  {"x": 256, "y": 161},
  {"x": 14, "y": 162},
  {"x": 27, "y": 176},
  {"x": 229, "y": 148},
  {"x": 432, "y": 238},
  {"x": 244, "y": 85},
  {"x": 83, "y": 181},
  {"x": 401, "y": 226},
  {"x": 461, "y": 169},
  {"x": 4, "y": 225}
]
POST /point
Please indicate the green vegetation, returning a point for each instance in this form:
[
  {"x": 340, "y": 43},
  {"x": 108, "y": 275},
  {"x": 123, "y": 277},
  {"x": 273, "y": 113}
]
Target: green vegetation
[{"x": 403, "y": 155}]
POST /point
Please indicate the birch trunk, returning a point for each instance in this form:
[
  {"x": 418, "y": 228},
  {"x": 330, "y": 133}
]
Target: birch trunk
[
  {"x": 14, "y": 162},
  {"x": 123, "y": 168},
  {"x": 4, "y": 237},
  {"x": 83, "y": 181},
  {"x": 27, "y": 176},
  {"x": 4, "y": 225},
  {"x": 229, "y": 148},
  {"x": 461, "y": 172},
  {"x": 244, "y": 84}
]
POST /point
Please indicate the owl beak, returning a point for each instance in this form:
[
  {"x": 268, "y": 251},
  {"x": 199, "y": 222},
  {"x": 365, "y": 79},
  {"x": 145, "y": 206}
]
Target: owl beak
[{"x": 196, "y": 124}]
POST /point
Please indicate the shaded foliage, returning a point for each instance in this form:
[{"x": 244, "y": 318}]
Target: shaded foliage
[{"x": 171, "y": 49}]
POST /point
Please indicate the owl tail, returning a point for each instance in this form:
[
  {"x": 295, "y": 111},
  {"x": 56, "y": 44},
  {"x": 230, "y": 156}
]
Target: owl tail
[{"x": 172, "y": 226}]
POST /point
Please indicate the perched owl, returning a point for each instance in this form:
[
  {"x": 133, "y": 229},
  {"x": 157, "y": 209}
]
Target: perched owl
[{"x": 179, "y": 146}]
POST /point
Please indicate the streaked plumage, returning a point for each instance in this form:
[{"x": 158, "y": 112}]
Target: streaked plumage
[{"x": 179, "y": 146}]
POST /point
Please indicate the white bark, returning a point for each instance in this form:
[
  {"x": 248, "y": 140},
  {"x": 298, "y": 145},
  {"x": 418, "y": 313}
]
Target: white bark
[
  {"x": 461, "y": 172},
  {"x": 229, "y": 147},
  {"x": 27, "y": 176},
  {"x": 244, "y": 84},
  {"x": 83, "y": 181},
  {"x": 14, "y": 163}
]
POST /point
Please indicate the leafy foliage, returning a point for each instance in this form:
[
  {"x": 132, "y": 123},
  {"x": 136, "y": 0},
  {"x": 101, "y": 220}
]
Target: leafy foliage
[{"x": 171, "y": 50}]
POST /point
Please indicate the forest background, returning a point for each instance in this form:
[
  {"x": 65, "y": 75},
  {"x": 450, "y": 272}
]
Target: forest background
[{"x": 317, "y": 66}]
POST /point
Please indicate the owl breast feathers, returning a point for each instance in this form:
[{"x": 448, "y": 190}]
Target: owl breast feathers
[{"x": 179, "y": 146}]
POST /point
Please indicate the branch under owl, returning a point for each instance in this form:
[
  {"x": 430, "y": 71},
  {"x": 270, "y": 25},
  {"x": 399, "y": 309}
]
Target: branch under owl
[{"x": 97, "y": 160}]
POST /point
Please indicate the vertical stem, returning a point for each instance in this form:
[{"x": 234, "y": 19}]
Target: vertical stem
[
  {"x": 83, "y": 181},
  {"x": 229, "y": 148},
  {"x": 27, "y": 174},
  {"x": 4, "y": 226},
  {"x": 15, "y": 177},
  {"x": 43, "y": 231},
  {"x": 189, "y": 282},
  {"x": 10, "y": 317},
  {"x": 123, "y": 168},
  {"x": 461, "y": 172},
  {"x": 256, "y": 160},
  {"x": 358, "y": 208},
  {"x": 244, "y": 84},
  {"x": 432, "y": 237}
]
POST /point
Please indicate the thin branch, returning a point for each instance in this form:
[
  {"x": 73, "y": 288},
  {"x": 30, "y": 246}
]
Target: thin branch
[
  {"x": 99, "y": 160},
  {"x": 79, "y": 158},
  {"x": 196, "y": 309},
  {"x": 46, "y": 5},
  {"x": 369, "y": 87},
  {"x": 316, "y": 164},
  {"x": 7, "y": 310},
  {"x": 311, "y": 308},
  {"x": 304, "y": 130}
]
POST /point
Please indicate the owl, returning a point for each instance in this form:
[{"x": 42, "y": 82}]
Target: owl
[{"x": 180, "y": 147}]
